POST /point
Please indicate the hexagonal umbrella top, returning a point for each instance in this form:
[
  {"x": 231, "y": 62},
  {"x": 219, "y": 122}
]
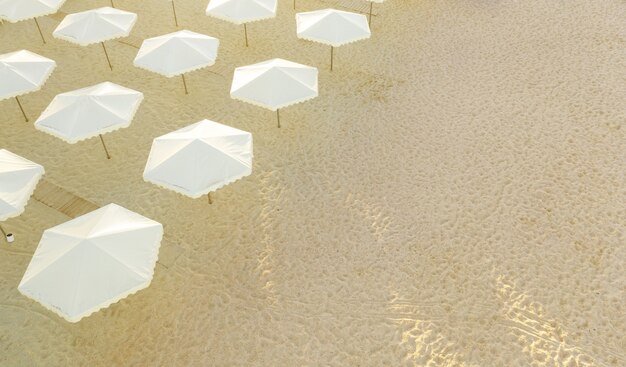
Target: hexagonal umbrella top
[
  {"x": 96, "y": 26},
  {"x": 199, "y": 158},
  {"x": 18, "y": 179},
  {"x": 88, "y": 112},
  {"x": 177, "y": 53},
  {"x": 242, "y": 11},
  {"x": 274, "y": 84},
  {"x": 18, "y": 10},
  {"x": 92, "y": 261},
  {"x": 23, "y": 72},
  {"x": 332, "y": 27}
]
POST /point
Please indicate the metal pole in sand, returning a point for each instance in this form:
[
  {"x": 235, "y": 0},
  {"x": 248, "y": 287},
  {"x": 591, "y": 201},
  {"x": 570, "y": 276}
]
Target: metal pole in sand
[
  {"x": 245, "y": 32},
  {"x": 39, "y": 29},
  {"x": 21, "y": 109},
  {"x": 278, "y": 117},
  {"x": 107, "y": 55},
  {"x": 174, "y": 10},
  {"x": 184, "y": 83},
  {"x": 331, "y": 57},
  {"x": 104, "y": 146},
  {"x": 209, "y": 197},
  {"x": 369, "y": 20},
  {"x": 9, "y": 236}
]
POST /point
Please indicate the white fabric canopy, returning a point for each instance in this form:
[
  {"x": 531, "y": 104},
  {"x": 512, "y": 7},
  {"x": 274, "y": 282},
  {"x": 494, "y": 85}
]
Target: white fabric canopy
[
  {"x": 18, "y": 179},
  {"x": 93, "y": 261},
  {"x": 274, "y": 84},
  {"x": 88, "y": 112},
  {"x": 177, "y": 53},
  {"x": 242, "y": 11},
  {"x": 332, "y": 27},
  {"x": 23, "y": 72},
  {"x": 95, "y": 26},
  {"x": 18, "y": 10},
  {"x": 199, "y": 158}
]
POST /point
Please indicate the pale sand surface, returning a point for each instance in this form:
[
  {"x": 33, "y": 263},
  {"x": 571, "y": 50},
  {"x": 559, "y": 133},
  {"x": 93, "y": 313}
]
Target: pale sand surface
[{"x": 454, "y": 197}]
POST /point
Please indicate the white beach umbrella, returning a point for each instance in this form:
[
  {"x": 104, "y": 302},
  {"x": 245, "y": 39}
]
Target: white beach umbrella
[
  {"x": 274, "y": 84},
  {"x": 18, "y": 10},
  {"x": 23, "y": 72},
  {"x": 199, "y": 158},
  {"x": 18, "y": 179},
  {"x": 93, "y": 261},
  {"x": 96, "y": 26},
  {"x": 89, "y": 112},
  {"x": 332, "y": 27},
  {"x": 242, "y": 11},
  {"x": 177, "y": 53}
]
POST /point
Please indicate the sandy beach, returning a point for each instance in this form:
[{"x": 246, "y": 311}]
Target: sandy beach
[{"x": 454, "y": 196}]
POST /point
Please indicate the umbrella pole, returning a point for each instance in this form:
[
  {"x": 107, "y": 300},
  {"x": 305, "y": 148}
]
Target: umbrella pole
[
  {"x": 21, "y": 109},
  {"x": 174, "y": 10},
  {"x": 107, "y": 55},
  {"x": 278, "y": 117},
  {"x": 8, "y": 236},
  {"x": 331, "y": 57},
  {"x": 184, "y": 83},
  {"x": 245, "y": 32},
  {"x": 104, "y": 146},
  {"x": 294, "y": 4},
  {"x": 209, "y": 197},
  {"x": 112, "y": 5},
  {"x": 369, "y": 20},
  {"x": 39, "y": 29}
]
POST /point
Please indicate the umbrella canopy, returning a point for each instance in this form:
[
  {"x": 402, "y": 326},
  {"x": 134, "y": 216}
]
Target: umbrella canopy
[
  {"x": 332, "y": 27},
  {"x": 93, "y": 261},
  {"x": 18, "y": 10},
  {"x": 88, "y": 112},
  {"x": 95, "y": 26},
  {"x": 274, "y": 84},
  {"x": 23, "y": 72},
  {"x": 18, "y": 179},
  {"x": 199, "y": 158},
  {"x": 242, "y": 11},
  {"x": 177, "y": 53}
]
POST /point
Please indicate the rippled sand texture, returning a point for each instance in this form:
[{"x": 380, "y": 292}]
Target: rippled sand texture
[{"x": 454, "y": 197}]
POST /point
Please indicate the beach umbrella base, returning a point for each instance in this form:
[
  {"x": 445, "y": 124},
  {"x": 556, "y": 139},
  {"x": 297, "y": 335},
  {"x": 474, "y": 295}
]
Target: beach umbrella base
[{"x": 9, "y": 236}]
